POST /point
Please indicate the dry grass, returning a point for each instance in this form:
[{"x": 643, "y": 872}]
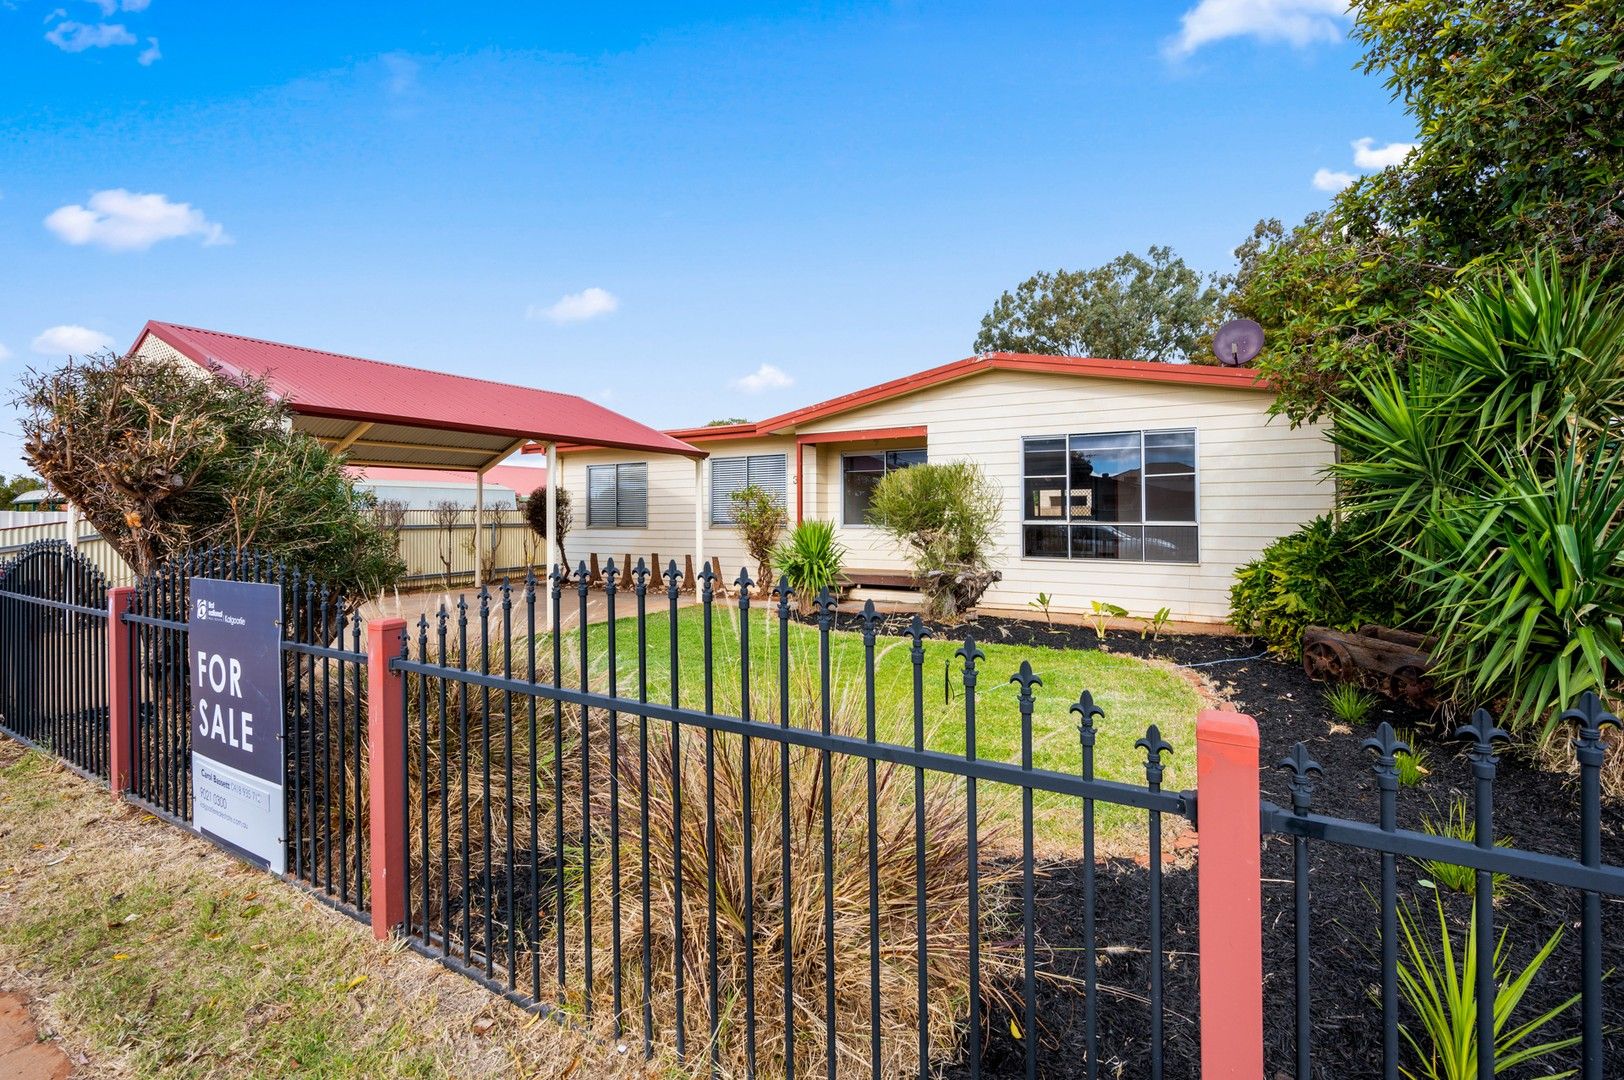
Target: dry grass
[
  {"x": 947, "y": 926},
  {"x": 151, "y": 954}
]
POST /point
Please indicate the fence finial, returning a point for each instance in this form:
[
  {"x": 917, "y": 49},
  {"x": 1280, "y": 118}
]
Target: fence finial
[
  {"x": 1087, "y": 712},
  {"x": 1154, "y": 747},
  {"x": 1483, "y": 732},
  {"x": 871, "y": 622},
  {"x": 1386, "y": 745},
  {"x": 784, "y": 592},
  {"x": 707, "y": 581},
  {"x": 1304, "y": 771},
  {"x": 744, "y": 584},
  {"x": 1591, "y": 716}
]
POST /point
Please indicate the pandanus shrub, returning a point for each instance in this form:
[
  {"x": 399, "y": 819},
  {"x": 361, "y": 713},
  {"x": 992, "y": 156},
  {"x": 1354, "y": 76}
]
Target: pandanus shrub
[
  {"x": 1488, "y": 470},
  {"x": 811, "y": 559}
]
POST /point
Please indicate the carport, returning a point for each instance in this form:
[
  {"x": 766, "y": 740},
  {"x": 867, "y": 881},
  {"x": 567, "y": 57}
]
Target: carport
[{"x": 382, "y": 414}]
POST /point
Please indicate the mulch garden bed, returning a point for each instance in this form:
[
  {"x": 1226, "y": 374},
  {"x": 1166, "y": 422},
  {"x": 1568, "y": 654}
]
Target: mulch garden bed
[{"x": 1537, "y": 809}]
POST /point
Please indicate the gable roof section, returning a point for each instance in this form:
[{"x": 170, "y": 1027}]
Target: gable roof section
[
  {"x": 1075, "y": 366},
  {"x": 405, "y": 400}
]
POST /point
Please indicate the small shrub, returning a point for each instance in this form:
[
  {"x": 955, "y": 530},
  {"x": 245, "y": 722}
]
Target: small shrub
[
  {"x": 946, "y": 516},
  {"x": 1440, "y": 986},
  {"x": 760, "y": 518},
  {"x": 1321, "y": 575},
  {"x": 1042, "y": 604},
  {"x": 1412, "y": 766},
  {"x": 1349, "y": 703},
  {"x": 811, "y": 559},
  {"x": 1457, "y": 825},
  {"x": 535, "y": 512},
  {"x": 1153, "y": 625},
  {"x": 1104, "y": 612}
]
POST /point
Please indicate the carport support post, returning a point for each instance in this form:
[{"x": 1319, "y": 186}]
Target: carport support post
[
  {"x": 120, "y": 700},
  {"x": 1229, "y": 880},
  {"x": 386, "y": 747},
  {"x": 552, "y": 532},
  {"x": 699, "y": 514},
  {"x": 479, "y": 528}
]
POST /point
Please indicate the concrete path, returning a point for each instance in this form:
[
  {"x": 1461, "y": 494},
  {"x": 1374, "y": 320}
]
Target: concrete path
[{"x": 22, "y": 1055}]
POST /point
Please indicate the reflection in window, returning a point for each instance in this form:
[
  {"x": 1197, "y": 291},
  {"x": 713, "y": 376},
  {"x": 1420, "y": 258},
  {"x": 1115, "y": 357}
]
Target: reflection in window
[
  {"x": 1128, "y": 495},
  {"x": 861, "y": 473}
]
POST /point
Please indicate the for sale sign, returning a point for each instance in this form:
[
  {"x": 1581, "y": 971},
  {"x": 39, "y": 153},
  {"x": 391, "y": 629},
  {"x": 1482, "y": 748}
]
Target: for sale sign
[{"x": 235, "y": 657}]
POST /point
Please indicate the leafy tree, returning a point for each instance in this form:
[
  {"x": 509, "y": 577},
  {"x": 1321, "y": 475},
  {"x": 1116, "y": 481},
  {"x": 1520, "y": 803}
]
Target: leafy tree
[
  {"x": 535, "y": 512},
  {"x": 1150, "y": 307},
  {"x": 726, "y": 421},
  {"x": 760, "y": 518},
  {"x": 160, "y": 460},
  {"x": 1516, "y": 105},
  {"x": 10, "y": 489},
  {"x": 945, "y": 515}
]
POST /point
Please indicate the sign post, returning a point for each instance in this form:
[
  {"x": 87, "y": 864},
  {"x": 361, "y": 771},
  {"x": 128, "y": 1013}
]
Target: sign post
[{"x": 235, "y": 661}]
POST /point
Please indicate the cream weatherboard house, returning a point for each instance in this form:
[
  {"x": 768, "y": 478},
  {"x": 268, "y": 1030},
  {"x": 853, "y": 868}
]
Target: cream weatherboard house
[{"x": 1138, "y": 484}]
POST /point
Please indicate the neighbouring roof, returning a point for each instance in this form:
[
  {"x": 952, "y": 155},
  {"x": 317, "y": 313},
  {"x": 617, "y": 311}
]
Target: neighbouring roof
[
  {"x": 392, "y": 415},
  {"x": 1082, "y": 367}
]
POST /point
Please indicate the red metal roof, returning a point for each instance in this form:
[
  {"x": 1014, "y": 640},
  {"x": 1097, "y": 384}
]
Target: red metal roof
[
  {"x": 317, "y": 383},
  {"x": 1078, "y": 366},
  {"x": 523, "y": 480}
]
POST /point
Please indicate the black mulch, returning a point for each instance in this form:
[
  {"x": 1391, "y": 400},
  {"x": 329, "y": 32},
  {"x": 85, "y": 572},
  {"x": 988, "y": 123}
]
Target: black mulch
[{"x": 1537, "y": 809}]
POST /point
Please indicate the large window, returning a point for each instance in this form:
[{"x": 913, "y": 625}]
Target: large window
[
  {"x": 1120, "y": 495},
  {"x": 861, "y": 473},
  {"x": 617, "y": 495},
  {"x": 768, "y": 472}
]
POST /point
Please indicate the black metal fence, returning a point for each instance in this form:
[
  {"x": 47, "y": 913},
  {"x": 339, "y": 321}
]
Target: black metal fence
[
  {"x": 53, "y": 654},
  {"x": 324, "y": 714},
  {"x": 1419, "y": 957},
  {"x": 786, "y": 892}
]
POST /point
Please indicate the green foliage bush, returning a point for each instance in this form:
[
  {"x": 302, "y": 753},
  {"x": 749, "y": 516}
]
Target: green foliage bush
[
  {"x": 535, "y": 514},
  {"x": 161, "y": 458},
  {"x": 811, "y": 559},
  {"x": 1321, "y": 575},
  {"x": 945, "y": 514},
  {"x": 760, "y": 518}
]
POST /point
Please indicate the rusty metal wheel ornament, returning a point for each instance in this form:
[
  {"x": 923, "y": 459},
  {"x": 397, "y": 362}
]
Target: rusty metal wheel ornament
[
  {"x": 1325, "y": 661},
  {"x": 1411, "y": 684}
]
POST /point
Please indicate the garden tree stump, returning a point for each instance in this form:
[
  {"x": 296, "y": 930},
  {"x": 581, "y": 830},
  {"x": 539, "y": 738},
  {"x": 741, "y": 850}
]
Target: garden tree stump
[
  {"x": 721, "y": 582},
  {"x": 656, "y": 571},
  {"x": 595, "y": 576},
  {"x": 625, "y": 577},
  {"x": 689, "y": 582},
  {"x": 1397, "y": 663}
]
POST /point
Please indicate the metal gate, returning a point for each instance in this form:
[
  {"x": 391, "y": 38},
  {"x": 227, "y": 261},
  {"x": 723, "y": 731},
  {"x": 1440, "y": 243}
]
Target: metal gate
[
  {"x": 324, "y": 723},
  {"x": 53, "y": 654}
]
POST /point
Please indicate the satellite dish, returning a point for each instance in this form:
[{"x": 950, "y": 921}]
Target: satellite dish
[{"x": 1238, "y": 342}]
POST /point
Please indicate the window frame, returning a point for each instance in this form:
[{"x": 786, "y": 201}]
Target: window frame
[
  {"x": 1066, "y": 522},
  {"x": 617, "y": 466},
  {"x": 710, "y": 483},
  {"x": 885, "y": 470}
]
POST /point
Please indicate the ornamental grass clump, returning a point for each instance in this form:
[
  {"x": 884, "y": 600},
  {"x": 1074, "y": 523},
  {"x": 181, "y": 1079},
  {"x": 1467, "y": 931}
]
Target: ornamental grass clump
[{"x": 796, "y": 904}]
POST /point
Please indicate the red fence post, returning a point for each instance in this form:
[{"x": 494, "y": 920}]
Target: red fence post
[
  {"x": 120, "y": 701},
  {"x": 1230, "y": 884},
  {"x": 386, "y": 743}
]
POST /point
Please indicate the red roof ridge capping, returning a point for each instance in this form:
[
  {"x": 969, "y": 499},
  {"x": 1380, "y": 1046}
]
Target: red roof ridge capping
[
  {"x": 318, "y": 382},
  {"x": 1082, "y": 366}
]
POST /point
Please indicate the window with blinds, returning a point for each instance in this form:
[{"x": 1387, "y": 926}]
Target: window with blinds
[
  {"x": 617, "y": 495},
  {"x": 769, "y": 472}
]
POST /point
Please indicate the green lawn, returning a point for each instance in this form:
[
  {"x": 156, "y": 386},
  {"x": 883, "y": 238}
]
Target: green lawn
[{"x": 1133, "y": 694}]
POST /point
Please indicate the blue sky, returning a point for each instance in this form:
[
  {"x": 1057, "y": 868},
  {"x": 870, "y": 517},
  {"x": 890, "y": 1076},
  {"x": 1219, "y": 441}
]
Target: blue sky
[{"x": 644, "y": 205}]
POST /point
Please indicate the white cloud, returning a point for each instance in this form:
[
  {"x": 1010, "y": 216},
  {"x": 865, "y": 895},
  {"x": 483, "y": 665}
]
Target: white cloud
[
  {"x": 765, "y": 377},
  {"x": 108, "y": 7},
  {"x": 150, "y": 55},
  {"x": 1366, "y": 155},
  {"x": 121, "y": 220},
  {"x": 576, "y": 307},
  {"x": 400, "y": 73},
  {"x": 1332, "y": 179},
  {"x": 77, "y": 37},
  {"x": 1294, "y": 22},
  {"x": 5, "y": 354},
  {"x": 71, "y": 341}
]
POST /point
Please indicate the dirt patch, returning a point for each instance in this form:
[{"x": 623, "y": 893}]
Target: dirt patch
[{"x": 24, "y": 1052}]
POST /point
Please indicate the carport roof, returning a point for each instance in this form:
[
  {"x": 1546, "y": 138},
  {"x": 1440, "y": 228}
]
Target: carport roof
[{"x": 388, "y": 414}]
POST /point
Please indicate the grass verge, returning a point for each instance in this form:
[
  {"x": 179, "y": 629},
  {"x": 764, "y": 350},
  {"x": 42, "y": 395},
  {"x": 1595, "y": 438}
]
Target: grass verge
[{"x": 152, "y": 954}]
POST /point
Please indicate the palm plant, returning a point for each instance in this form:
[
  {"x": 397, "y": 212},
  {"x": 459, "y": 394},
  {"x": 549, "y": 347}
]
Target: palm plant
[{"x": 811, "y": 559}]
